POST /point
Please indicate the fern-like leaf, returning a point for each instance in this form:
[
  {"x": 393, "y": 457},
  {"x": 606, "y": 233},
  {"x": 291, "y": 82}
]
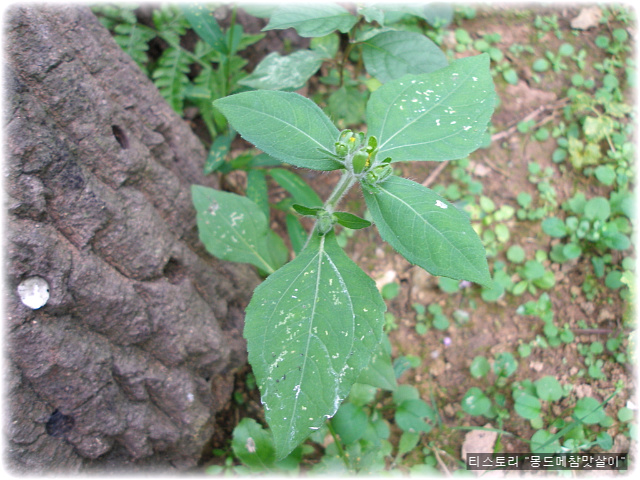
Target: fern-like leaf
[
  {"x": 170, "y": 23},
  {"x": 170, "y": 76},
  {"x": 134, "y": 39}
]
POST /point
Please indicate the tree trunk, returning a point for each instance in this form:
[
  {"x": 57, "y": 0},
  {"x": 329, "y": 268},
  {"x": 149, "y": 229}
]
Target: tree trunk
[{"x": 134, "y": 351}]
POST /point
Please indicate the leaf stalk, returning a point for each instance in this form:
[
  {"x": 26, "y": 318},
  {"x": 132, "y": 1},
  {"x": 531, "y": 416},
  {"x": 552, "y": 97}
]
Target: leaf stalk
[{"x": 340, "y": 190}]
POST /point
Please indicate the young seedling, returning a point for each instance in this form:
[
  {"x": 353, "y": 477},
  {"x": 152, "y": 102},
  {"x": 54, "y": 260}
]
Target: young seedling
[{"x": 313, "y": 324}]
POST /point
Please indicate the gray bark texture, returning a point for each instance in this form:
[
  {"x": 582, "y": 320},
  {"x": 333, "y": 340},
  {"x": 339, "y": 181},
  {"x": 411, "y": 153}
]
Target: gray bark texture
[{"x": 127, "y": 363}]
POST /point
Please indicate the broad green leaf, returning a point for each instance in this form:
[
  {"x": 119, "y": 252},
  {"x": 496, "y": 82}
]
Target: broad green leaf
[
  {"x": 390, "y": 55},
  {"x": 597, "y": 208},
  {"x": 312, "y": 20},
  {"x": 475, "y": 402},
  {"x": 277, "y": 72},
  {"x": 544, "y": 442},
  {"x": 428, "y": 230},
  {"x": 232, "y": 227},
  {"x": 372, "y": 14},
  {"x": 311, "y": 327},
  {"x": 408, "y": 441},
  {"x": 278, "y": 251},
  {"x": 527, "y": 406},
  {"x": 326, "y": 46},
  {"x": 479, "y": 367},
  {"x": 415, "y": 416},
  {"x": 346, "y": 105},
  {"x": 405, "y": 392},
  {"x": 437, "y": 116},
  {"x": 379, "y": 373},
  {"x": 350, "y": 422},
  {"x": 505, "y": 364},
  {"x": 205, "y": 25},
  {"x": 297, "y": 233},
  {"x": 361, "y": 394},
  {"x": 287, "y": 126},
  {"x": 296, "y": 186},
  {"x": 616, "y": 240},
  {"x": 253, "y": 445},
  {"x": 571, "y": 250},
  {"x": 605, "y": 174},
  {"x": 554, "y": 227},
  {"x": 588, "y": 411},
  {"x": 548, "y": 388},
  {"x": 257, "y": 190}
]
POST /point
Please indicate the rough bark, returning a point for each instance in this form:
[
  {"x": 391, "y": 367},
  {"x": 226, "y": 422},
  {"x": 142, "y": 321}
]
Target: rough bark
[{"x": 132, "y": 355}]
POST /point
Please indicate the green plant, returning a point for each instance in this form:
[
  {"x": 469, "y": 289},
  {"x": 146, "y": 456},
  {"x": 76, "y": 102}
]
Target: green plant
[
  {"x": 312, "y": 325},
  {"x": 437, "y": 320},
  {"x": 214, "y": 56},
  {"x": 543, "y": 309},
  {"x": 583, "y": 431},
  {"x": 547, "y": 23},
  {"x": 598, "y": 224},
  {"x": 381, "y": 40},
  {"x": 533, "y": 275},
  {"x": 490, "y": 402}
]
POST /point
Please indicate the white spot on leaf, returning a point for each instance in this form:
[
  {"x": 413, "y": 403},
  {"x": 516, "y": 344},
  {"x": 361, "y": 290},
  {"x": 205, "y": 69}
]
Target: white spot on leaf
[
  {"x": 441, "y": 204},
  {"x": 251, "y": 445}
]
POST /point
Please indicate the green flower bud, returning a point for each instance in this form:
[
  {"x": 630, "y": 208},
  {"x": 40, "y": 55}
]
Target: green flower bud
[
  {"x": 359, "y": 161},
  {"x": 376, "y": 176},
  {"x": 341, "y": 149},
  {"x": 345, "y": 135},
  {"x": 325, "y": 223},
  {"x": 372, "y": 144}
]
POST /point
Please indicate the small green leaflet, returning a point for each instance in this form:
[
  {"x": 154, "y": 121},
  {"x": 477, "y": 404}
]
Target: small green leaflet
[
  {"x": 312, "y": 20},
  {"x": 277, "y": 72},
  {"x": 350, "y": 220},
  {"x": 233, "y": 228},
  {"x": 437, "y": 116},
  {"x": 435, "y": 234},
  {"x": 285, "y": 125},
  {"x": 311, "y": 328},
  {"x": 391, "y": 55}
]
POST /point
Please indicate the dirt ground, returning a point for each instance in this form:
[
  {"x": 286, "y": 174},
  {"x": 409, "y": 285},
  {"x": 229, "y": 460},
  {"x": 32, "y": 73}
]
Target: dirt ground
[{"x": 493, "y": 327}]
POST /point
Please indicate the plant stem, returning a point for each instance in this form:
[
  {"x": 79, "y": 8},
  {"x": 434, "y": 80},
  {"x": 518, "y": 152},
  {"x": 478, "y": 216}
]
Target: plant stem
[
  {"x": 342, "y": 187},
  {"x": 227, "y": 59},
  {"x": 338, "y": 445}
]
